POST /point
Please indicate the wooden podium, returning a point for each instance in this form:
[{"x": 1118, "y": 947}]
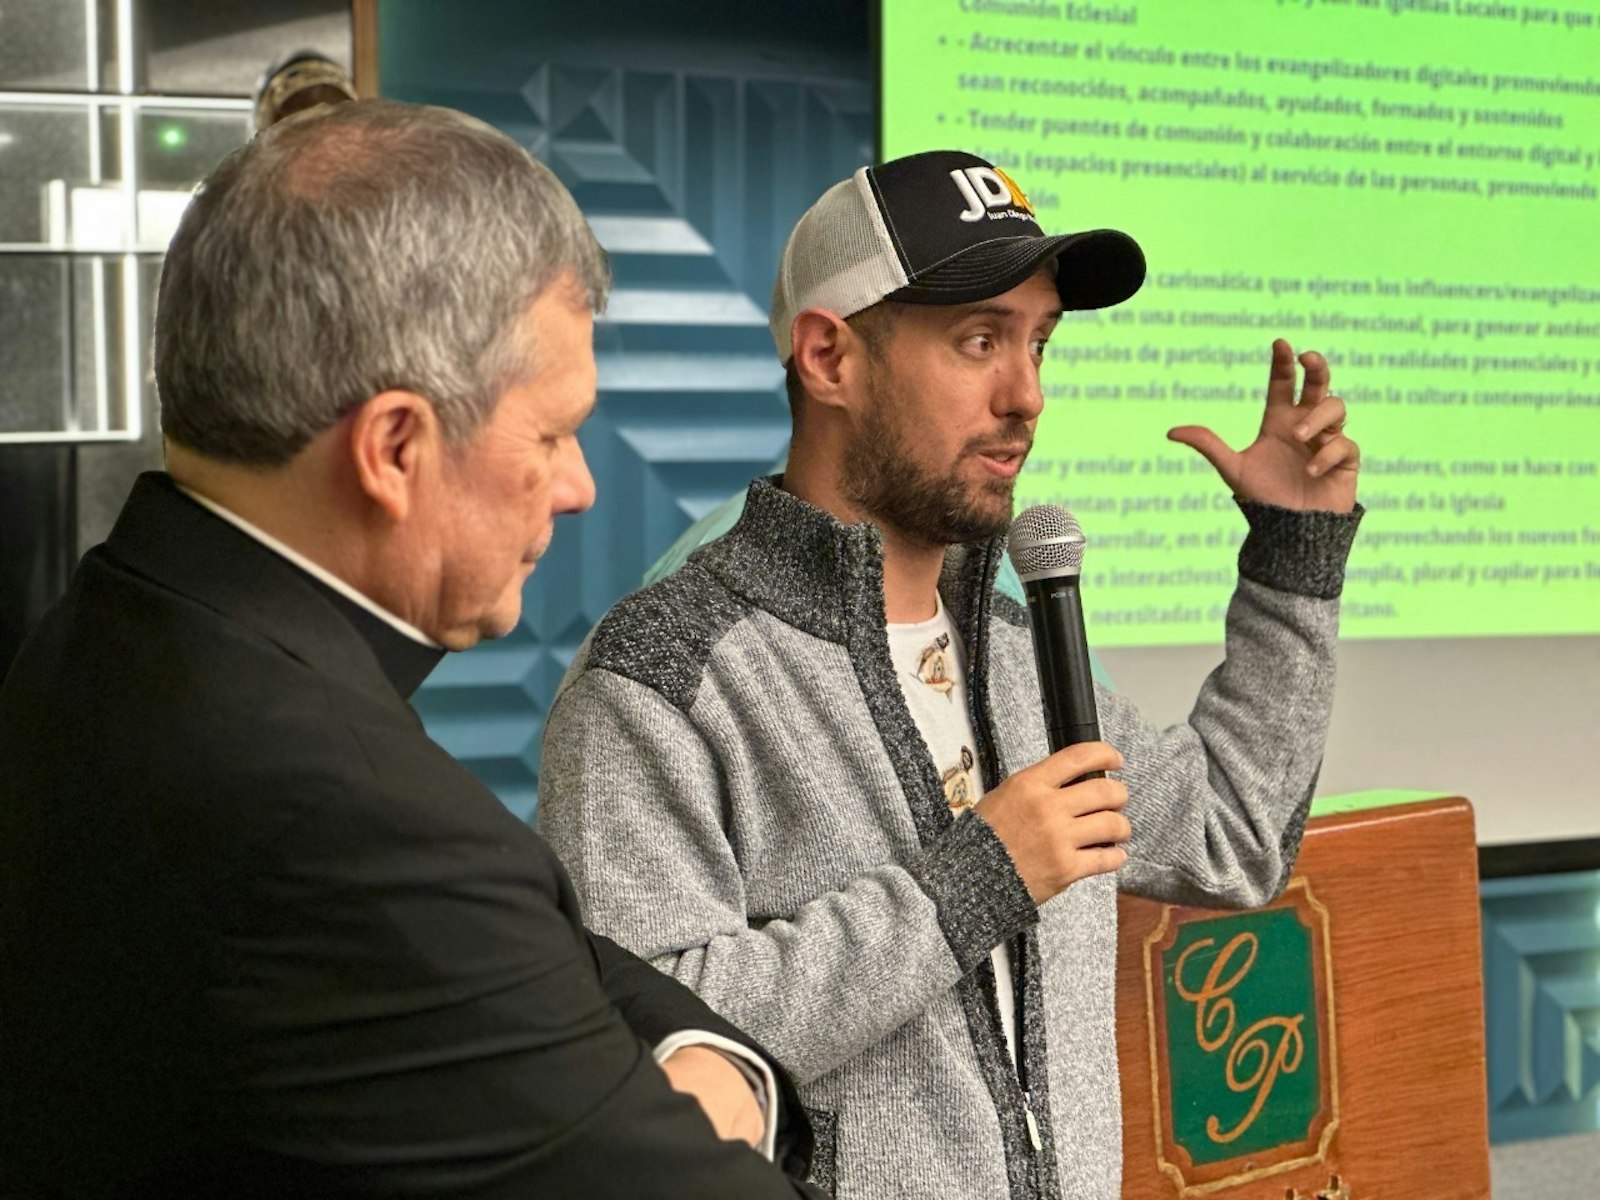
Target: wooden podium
[{"x": 1326, "y": 1047}]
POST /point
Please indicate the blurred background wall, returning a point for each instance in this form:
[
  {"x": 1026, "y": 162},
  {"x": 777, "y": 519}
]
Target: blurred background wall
[{"x": 693, "y": 143}]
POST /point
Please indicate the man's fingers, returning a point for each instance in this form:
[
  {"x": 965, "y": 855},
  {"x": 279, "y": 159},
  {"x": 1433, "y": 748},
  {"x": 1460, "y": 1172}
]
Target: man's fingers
[
  {"x": 1327, "y": 416},
  {"x": 1095, "y": 795},
  {"x": 1280, "y": 378},
  {"x": 1076, "y": 761},
  {"x": 1209, "y": 445},
  {"x": 1316, "y": 382},
  {"x": 1101, "y": 829},
  {"x": 1340, "y": 452},
  {"x": 1102, "y": 860},
  {"x": 1091, "y": 796}
]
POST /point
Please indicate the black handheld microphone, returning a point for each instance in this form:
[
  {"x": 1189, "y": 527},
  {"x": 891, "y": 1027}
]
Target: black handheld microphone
[{"x": 1046, "y": 547}]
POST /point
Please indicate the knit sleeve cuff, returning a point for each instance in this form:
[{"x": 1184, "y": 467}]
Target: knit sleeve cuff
[
  {"x": 981, "y": 899},
  {"x": 1302, "y": 552}
]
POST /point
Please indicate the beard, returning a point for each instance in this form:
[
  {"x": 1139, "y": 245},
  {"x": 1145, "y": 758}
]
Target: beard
[{"x": 885, "y": 479}]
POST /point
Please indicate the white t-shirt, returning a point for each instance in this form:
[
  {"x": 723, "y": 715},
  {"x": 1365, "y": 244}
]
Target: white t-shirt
[{"x": 931, "y": 664}]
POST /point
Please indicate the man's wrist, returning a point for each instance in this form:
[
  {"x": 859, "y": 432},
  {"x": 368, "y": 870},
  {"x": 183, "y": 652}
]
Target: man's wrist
[
  {"x": 755, "y": 1069},
  {"x": 1298, "y": 551},
  {"x": 975, "y": 887}
]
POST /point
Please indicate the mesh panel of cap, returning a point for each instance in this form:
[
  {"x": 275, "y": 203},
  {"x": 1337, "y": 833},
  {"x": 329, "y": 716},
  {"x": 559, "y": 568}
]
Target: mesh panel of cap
[
  {"x": 838, "y": 257},
  {"x": 1045, "y": 540}
]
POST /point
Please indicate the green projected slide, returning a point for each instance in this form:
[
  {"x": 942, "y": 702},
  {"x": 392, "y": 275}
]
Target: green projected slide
[{"x": 1409, "y": 186}]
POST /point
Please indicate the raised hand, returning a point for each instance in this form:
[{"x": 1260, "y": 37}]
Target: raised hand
[{"x": 1302, "y": 457}]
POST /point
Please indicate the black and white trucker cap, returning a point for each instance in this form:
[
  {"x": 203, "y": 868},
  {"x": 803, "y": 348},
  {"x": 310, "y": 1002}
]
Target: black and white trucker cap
[{"x": 942, "y": 227}]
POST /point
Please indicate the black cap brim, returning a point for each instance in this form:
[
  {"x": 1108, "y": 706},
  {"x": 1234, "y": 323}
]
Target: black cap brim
[{"x": 1094, "y": 269}]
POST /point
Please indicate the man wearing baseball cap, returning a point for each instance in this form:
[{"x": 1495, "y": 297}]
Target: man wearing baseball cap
[{"x": 761, "y": 769}]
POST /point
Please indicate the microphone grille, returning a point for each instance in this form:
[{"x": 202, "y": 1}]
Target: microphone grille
[{"x": 1046, "y": 540}]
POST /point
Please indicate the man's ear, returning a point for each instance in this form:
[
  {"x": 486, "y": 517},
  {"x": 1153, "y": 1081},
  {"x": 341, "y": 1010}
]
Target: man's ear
[
  {"x": 395, "y": 439},
  {"x": 829, "y": 357}
]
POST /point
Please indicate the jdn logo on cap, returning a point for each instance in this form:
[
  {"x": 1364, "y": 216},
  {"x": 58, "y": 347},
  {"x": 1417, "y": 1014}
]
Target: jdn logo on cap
[{"x": 987, "y": 188}]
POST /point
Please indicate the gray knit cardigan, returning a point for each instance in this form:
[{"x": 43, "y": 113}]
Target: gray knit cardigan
[{"x": 733, "y": 780}]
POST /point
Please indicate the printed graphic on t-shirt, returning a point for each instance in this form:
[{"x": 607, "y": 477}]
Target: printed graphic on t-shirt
[
  {"x": 930, "y": 667},
  {"x": 958, "y": 790},
  {"x": 933, "y": 668}
]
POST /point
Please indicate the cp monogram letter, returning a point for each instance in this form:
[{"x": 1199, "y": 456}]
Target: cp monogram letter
[{"x": 1254, "y": 1060}]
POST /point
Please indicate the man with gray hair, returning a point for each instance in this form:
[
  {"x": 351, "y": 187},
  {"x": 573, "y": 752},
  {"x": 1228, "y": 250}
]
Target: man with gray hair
[{"x": 258, "y": 934}]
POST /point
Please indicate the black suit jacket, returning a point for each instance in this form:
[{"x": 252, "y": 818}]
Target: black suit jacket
[{"x": 260, "y": 936}]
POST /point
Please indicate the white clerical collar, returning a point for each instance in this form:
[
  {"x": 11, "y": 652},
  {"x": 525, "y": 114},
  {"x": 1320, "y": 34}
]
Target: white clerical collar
[{"x": 311, "y": 568}]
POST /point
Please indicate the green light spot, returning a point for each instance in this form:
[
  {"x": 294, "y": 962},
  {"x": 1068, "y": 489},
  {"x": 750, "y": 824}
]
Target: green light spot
[{"x": 173, "y": 137}]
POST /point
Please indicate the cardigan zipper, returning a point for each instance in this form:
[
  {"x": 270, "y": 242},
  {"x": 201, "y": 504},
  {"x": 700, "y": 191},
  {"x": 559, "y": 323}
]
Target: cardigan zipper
[{"x": 978, "y": 701}]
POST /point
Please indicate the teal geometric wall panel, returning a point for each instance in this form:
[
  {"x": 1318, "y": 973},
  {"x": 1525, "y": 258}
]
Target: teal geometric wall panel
[
  {"x": 1541, "y": 967},
  {"x": 691, "y": 177}
]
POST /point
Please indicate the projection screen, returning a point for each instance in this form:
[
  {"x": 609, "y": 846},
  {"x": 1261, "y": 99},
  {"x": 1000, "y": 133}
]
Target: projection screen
[{"x": 1408, "y": 186}]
